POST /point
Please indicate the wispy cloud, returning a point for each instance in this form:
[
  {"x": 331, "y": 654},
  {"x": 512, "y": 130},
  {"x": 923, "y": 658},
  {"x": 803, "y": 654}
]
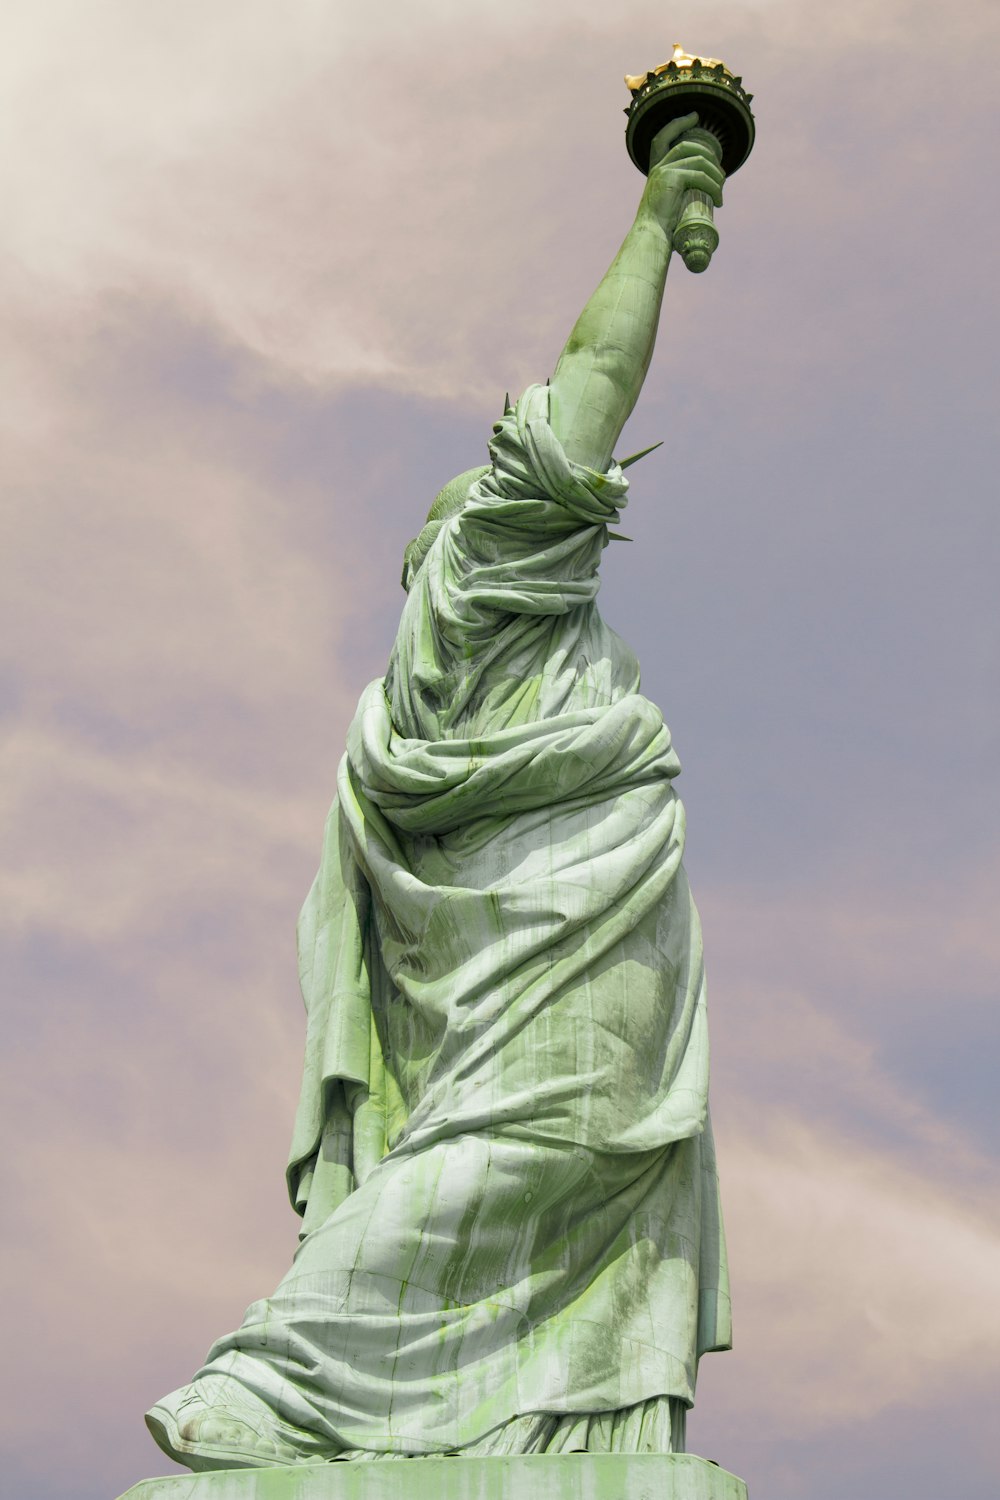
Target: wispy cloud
[
  {"x": 840, "y": 1255},
  {"x": 265, "y": 171}
]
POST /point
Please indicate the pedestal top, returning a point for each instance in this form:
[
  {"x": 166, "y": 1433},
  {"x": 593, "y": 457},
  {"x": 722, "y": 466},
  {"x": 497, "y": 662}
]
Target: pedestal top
[{"x": 563, "y": 1476}]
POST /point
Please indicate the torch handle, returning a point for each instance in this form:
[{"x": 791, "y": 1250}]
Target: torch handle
[{"x": 695, "y": 237}]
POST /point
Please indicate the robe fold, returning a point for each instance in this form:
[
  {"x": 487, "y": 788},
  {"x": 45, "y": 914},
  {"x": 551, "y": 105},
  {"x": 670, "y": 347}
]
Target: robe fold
[{"x": 502, "y": 1153}]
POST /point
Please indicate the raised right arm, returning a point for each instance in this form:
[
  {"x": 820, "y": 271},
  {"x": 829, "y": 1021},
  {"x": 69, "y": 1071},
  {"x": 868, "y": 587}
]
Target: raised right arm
[{"x": 601, "y": 370}]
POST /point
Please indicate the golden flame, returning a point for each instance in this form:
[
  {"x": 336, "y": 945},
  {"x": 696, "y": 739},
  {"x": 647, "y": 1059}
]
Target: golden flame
[{"x": 681, "y": 59}]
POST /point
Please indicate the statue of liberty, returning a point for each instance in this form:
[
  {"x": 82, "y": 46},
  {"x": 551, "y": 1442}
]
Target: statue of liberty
[{"x": 503, "y": 1157}]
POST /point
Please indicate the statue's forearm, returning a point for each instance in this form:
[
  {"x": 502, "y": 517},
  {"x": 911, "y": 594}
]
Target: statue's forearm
[{"x": 601, "y": 370}]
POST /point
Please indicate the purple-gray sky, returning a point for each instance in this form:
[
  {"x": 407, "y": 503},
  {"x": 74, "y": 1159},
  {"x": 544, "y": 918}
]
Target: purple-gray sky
[{"x": 268, "y": 271}]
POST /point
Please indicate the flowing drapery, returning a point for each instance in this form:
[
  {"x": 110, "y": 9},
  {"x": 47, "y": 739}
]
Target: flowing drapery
[{"x": 502, "y": 1153}]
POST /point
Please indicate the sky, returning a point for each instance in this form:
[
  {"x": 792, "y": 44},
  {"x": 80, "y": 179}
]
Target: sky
[{"x": 267, "y": 273}]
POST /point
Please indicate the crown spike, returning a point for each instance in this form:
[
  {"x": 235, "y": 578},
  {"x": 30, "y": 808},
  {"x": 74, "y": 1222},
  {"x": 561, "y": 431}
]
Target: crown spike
[{"x": 634, "y": 458}]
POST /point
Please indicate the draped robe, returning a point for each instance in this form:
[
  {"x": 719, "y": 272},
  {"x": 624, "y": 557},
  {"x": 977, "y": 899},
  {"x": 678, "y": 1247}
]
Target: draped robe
[{"x": 503, "y": 1153}]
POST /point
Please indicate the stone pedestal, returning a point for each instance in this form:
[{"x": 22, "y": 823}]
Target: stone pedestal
[{"x": 564, "y": 1476}]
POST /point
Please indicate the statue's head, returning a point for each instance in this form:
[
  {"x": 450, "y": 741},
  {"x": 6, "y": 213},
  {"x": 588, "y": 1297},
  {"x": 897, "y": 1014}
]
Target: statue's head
[{"x": 446, "y": 503}]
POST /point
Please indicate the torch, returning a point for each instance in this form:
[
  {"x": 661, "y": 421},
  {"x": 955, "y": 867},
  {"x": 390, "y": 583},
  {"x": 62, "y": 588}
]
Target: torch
[{"x": 683, "y": 86}]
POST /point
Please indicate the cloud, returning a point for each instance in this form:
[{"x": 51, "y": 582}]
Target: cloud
[
  {"x": 861, "y": 1283},
  {"x": 109, "y": 846},
  {"x": 902, "y": 939},
  {"x": 130, "y": 1249},
  {"x": 164, "y": 635},
  {"x": 132, "y": 515},
  {"x": 288, "y": 175}
]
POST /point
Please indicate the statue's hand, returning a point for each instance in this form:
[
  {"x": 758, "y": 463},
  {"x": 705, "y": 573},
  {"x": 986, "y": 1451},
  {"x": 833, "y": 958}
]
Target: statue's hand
[{"x": 683, "y": 165}]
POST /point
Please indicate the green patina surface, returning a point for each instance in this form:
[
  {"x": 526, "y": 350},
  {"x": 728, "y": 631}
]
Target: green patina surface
[
  {"x": 573, "y": 1477},
  {"x": 512, "y": 1241}
]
